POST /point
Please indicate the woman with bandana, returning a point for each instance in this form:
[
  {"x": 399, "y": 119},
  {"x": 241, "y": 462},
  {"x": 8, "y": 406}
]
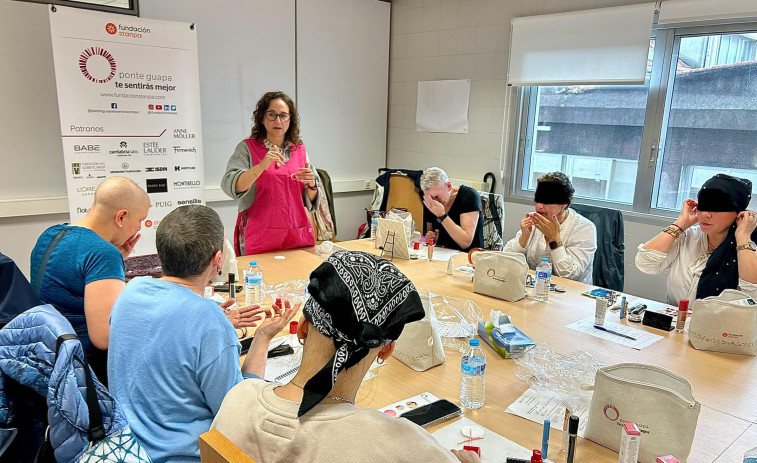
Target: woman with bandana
[
  {"x": 271, "y": 176},
  {"x": 557, "y": 232},
  {"x": 710, "y": 247},
  {"x": 358, "y": 306}
]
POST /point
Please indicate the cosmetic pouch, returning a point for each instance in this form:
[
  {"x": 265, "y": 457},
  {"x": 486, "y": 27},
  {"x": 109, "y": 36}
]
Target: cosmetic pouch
[
  {"x": 420, "y": 344},
  {"x": 660, "y": 402},
  {"x": 725, "y": 323},
  {"x": 500, "y": 274}
]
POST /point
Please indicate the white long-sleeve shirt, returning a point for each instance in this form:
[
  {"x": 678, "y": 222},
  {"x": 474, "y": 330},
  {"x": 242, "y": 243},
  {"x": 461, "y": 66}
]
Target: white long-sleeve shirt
[
  {"x": 574, "y": 259},
  {"x": 685, "y": 261}
]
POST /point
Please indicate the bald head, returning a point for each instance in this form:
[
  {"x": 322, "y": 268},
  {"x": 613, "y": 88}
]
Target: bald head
[{"x": 119, "y": 193}]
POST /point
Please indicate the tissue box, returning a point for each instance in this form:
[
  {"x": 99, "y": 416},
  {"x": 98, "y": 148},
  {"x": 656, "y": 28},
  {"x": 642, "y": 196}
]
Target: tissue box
[{"x": 506, "y": 344}]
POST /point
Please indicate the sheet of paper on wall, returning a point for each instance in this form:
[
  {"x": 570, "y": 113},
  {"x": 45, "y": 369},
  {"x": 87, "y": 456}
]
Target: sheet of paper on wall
[
  {"x": 443, "y": 106},
  {"x": 539, "y": 407}
]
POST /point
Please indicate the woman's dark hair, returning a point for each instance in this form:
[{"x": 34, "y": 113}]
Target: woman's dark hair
[
  {"x": 554, "y": 188},
  {"x": 187, "y": 239},
  {"x": 258, "y": 129}
]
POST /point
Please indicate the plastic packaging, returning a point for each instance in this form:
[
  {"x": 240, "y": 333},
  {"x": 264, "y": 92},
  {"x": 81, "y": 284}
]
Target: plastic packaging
[
  {"x": 751, "y": 456},
  {"x": 457, "y": 319},
  {"x": 600, "y": 310},
  {"x": 543, "y": 278},
  {"x": 253, "y": 284},
  {"x": 472, "y": 383},
  {"x": 374, "y": 225}
]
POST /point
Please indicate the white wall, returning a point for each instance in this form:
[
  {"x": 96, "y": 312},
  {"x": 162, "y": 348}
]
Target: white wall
[
  {"x": 239, "y": 60},
  {"x": 469, "y": 39}
]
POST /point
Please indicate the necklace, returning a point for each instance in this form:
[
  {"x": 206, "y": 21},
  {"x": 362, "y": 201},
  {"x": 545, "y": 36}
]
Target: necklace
[{"x": 332, "y": 397}]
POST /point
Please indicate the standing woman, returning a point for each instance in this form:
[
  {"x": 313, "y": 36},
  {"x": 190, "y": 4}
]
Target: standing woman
[
  {"x": 710, "y": 246},
  {"x": 271, "y": 176}
]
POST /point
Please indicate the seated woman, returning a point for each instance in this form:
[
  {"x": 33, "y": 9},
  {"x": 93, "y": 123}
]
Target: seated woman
[
  {"x": 556, "y": 231},
  {"x": 710, "y": 245},
  {"x": 452, "y": 214},
  {"x": 358, "y": 306}
]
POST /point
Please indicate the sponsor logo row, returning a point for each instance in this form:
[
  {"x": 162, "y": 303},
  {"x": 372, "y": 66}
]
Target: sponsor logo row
[
  {"x": 98, "y": 169},
  {"x": 149, "y": 148}
]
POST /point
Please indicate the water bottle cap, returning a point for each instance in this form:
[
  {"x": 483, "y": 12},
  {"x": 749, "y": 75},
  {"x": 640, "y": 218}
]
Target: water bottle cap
[
  {"x": 254, "y": 262},
  {"x": 545, "y": 259},
  {"x": 474, "y": 342}
]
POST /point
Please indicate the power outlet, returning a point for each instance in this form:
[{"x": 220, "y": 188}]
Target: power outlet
[{"x": 367, "y": 185}]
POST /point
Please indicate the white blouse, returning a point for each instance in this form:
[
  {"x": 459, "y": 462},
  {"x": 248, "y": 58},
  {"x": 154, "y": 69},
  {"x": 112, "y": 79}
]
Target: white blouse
[
  {"x": 574, "y": 259},
  {"x": 685, "y": 261}
]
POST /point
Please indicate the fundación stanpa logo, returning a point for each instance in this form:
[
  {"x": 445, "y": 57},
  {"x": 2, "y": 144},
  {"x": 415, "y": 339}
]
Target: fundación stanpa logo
[{"x": 97, "y": 65}]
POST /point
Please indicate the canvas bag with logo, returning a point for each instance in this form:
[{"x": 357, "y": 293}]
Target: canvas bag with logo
[
  {"x": 420, "y": 345},
  {"x": 660, "y": 402},
  {"x": 500, "y": 274},
  {"x": 725, "y": 323}
]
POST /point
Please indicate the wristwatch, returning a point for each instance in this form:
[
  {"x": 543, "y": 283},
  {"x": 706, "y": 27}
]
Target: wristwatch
[
  {"x": 554, "y": 244},
  {"x": 441, "y": 218},
  {"x": 750, "y": 246}
]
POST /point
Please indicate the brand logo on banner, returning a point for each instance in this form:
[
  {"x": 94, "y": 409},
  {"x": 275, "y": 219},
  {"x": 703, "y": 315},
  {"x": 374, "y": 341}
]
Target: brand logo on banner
[
  {"x": 97, "y": 65},
  {"x": 157, "y": 185},
  {"x": 129, "y": 105}
]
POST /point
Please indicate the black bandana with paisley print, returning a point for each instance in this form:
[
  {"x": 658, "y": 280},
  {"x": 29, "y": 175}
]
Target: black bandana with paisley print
[{"x": 360, "y": 301}]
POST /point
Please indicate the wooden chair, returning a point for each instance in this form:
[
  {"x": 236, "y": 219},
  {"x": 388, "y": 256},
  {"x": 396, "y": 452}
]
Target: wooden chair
[
  {"x": 404, "y": 194},
  {"x": 216, "y": 448}
]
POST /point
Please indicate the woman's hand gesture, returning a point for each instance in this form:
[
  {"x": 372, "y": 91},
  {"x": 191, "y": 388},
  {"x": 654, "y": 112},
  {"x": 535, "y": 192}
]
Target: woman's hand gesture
[
  {"x": 273, "y": 155},
  {"x": 688, "y": 215}
]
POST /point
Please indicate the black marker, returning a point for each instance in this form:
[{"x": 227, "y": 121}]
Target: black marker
[
  {"x": 232, "y": 288},
  {"x": 572, "y": 432}
]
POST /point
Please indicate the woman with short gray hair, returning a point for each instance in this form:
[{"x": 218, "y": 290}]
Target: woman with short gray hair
[{"x": 452, "y": 214}]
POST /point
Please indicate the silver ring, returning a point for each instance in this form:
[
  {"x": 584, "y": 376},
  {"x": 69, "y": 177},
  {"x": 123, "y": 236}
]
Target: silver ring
[{"x": 751, "y": 214}]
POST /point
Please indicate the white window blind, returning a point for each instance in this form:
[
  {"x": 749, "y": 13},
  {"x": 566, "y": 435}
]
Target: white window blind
[
  {"x": 704, "y": 11},
  {"x": 600, "y": 46}
]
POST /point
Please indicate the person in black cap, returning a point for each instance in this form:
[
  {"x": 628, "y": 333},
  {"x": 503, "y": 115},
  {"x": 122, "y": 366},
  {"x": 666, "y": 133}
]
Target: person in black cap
[
  {"x": 556, "y": 231},
  {"x": 358, "y": 306},
  {"x": 710, "y": 247}
]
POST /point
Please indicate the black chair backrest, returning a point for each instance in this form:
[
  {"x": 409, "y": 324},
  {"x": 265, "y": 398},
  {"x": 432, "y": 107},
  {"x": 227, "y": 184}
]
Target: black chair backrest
[{"x": 609, "y": 260}]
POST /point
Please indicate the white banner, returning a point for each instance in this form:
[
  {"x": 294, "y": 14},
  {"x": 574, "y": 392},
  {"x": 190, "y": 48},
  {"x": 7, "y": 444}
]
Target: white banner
[{"x": 129, "y": 102}]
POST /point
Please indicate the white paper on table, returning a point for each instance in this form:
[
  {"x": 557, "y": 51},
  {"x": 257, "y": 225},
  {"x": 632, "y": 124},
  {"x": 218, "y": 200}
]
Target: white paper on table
[
  {"x": 442, "y": 106},
  {"x": 537, "y": 408},
  {"x": 493, "y": 446},
  {"x": 282, "y": 369},
  {"x": 443, "y": 254},
  {"x": 643, "y": 338}
]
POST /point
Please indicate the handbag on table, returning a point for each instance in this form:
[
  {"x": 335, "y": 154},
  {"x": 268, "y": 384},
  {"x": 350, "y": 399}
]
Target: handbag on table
[
  {"x": 660, "y": 402},
  {"x": 500, "y": 274},
  {"x": 420, "y": 344},
  {"x": 725, "y": 323}
]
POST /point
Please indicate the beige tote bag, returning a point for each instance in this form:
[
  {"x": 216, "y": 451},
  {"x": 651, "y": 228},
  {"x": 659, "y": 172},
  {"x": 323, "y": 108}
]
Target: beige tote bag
[
  {"x": 660, "y": 402},
  {"x": 420, "y": 345},
  {"x": 500, "y": 274},
  {"x": 725, "y": 323}
]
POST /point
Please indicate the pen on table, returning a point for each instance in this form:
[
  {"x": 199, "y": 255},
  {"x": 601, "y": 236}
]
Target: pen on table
[
  {"x": 572, "y": 432},
  {"x": 602, "y": 328},
  {"x": 545, "y": 439}
]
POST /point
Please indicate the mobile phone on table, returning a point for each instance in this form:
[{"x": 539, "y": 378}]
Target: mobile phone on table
[{"x": 433, "y": 413}]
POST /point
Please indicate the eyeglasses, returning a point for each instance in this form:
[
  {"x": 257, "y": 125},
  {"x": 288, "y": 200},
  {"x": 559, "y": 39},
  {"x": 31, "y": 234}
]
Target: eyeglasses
[{"x": 271, "y": 116}]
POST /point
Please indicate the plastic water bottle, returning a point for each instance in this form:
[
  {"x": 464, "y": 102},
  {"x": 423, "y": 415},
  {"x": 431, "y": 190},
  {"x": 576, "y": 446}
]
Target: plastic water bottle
[
  {"x": 543, "y": 278},
  {"x": 472, "y": 384},
  {"x": 751, "y": 456},
  {"x": 253, "y": 285},
  {"x": 374, "y": 225}
]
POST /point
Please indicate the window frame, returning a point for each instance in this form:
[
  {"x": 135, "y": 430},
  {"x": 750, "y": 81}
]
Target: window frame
[
  {"x": 133, "y": 9},
  {"x": 667, "y": 44}
]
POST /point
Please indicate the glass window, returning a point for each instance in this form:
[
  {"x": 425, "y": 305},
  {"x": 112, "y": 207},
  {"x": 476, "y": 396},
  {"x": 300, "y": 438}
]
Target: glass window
[
  {"x": 592, "y": 133},
  {"x": 710, "y": 119}
]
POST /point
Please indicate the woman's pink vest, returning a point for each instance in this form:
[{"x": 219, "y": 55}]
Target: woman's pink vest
[{"x": 277, "y": 218}]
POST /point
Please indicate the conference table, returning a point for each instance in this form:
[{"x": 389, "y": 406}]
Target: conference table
[{"x": 724, "y": 384}]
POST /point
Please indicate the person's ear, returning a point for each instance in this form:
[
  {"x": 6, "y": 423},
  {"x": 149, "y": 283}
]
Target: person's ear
[
  {"x": 302, "y": 328},
  {"x": 386, "y": 351},
  {"x": 120, "y": 216},
  {"x": 218, "y": 259}
]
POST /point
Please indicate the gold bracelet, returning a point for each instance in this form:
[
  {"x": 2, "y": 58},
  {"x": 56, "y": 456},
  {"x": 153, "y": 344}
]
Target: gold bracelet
[{"x": 673, "y": 230}]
